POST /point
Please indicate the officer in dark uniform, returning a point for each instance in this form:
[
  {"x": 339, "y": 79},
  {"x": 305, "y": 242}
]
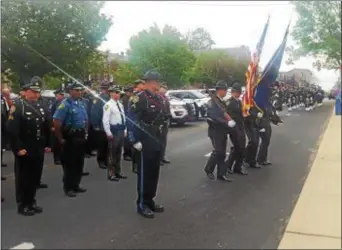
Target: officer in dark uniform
[
  {"x": 29, "y": 132},
  {"x": 237, "y": 136},
  {"x": 96, "y": 114},
  {"x": 252, "y": 131},
  {"x": 56, "y": 147},
  {"x": 165, "y": 128},
  {"x": 147, "y": 107},
  {"x": 139, "y": 86},
  {"x": 89, "y": 98},
  {"x": 265, "y": 136},
  {"x": 125, "y": 100},
  {"x": 70, "y": 122},
  {"x": 4, "y": 116},
  {"x": 218, "y": 128}
]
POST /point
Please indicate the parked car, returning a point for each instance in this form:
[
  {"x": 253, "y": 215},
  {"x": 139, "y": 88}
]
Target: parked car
[
  {"x": 181, "y": 111},
  {"x": 192, "y": 96}
]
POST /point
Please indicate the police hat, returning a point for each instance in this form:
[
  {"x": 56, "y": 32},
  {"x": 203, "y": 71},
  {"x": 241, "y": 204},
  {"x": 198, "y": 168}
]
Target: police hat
[
  {"x": 139, "y": 81},
  {"x": 151, "y": 75},
  {"x": 128, "y": 89},
  {"x": 34, "y": 85},
  {"x": 105, "y": 85},
  {"x": 114, "y": 89},
  {"x": 237, "y": 87},
  {"x": 75, "y": 86},
  {"x": 58, "y": 91},
  {"x": 221, "y": 85}
]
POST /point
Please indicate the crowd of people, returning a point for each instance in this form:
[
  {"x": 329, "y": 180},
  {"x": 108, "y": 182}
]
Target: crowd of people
[{"x": 133, "y": 124}]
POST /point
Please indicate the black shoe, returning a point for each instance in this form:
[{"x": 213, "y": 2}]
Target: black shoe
[
  {"x": 42, "y": 185},
  {"x": 2, "y": 199},
  {"x": 254, "y": 166},
  {"x": 241, "y": 172},
  {"x": 3, "y": 165},
  {"x": 166, "y": 161},
  {"x": 87, "y": 155},
  {"x": 146, "y": 212},
  {"x": 58, "y": 162},
  {"x": 3, "y": 178},
  {"x": 210, "y": 175},
  {"x": 80, "y": 190},
  {"x": 161, "y": 163},
  {"x": 70, "y": 193},
  {"x": 156, "y": 208},
  {"x": 113, "y": 178},
  {"x": 266, "y": 163},
  {"x": 26, "y": 211},
  {"x": 127, "y": 158},
  {"x": 135, "y": 170},
  {"x": 102, "y": 165},
  {"x": 224, "y": 178},
  {"x": 85, "y": 174},
  {"x": 36, "y": 209},
  {"x": 119, "y": 176}
]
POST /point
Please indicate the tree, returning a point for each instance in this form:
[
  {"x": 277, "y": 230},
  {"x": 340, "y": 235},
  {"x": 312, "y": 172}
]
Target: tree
[
  {"x": 199, "y": 39},
  {"x": 163, "y": 50},
  {"x": 65, "y": 32},
  {"x": 126, "y": 73},
  {"x": 214, "y": 65},
  {"x": 317, "y": 33}
]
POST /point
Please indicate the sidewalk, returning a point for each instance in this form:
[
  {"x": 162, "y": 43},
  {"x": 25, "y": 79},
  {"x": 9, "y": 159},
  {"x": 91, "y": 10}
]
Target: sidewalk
[{"x": 315, "y": 222}]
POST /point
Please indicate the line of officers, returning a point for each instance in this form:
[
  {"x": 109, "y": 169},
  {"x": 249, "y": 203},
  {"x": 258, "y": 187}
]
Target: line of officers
[
  {"x": 137, "y": 122},
  {"x": 226, "y": 119}
]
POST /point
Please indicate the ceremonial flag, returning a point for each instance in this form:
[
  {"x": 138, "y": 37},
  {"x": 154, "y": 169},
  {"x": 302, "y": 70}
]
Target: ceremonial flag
[
  {"x": 252, "y": 72},
  {"x": 262, "y": 89}
]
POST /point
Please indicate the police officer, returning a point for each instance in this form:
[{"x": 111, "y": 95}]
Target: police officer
[
  {"x": 4, "y": 116},
  {"x": 56, "y": 147},
  {"x": 70, "y": 122},
  {"x": 125, "y": 101},
  {"x": 88, "y": 98},
  {"x": 265, "y": 135},
  {"x": 139, "y": 86},
  {"x": 165, "y": 127},
  {"x": 237, "y": 135},
  {"x": 29, "y": 132},
  {"x": 114, "y": 124},
  {"x": 96, "y": 114},
  {"x": 147, "y": 107},
  {"x": 218, "y": 128},
  {"x": 252, "y": 131}
]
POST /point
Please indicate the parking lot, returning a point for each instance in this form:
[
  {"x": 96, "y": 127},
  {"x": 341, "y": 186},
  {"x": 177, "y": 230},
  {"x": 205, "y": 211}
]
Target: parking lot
[{"x": 250, "y": 212}]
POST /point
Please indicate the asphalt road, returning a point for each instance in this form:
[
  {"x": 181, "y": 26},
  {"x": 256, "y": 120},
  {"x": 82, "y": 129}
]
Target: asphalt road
[{"x": 251, "y": 212}]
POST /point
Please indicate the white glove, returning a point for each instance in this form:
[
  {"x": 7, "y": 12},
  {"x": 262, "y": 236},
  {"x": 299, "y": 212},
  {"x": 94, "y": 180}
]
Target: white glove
[
  {"x": 259, "y": 115},
  {"x": 138, "y": 146},
  {"x": 231, "y": 123},
  {"x": 262, "y": 130}
]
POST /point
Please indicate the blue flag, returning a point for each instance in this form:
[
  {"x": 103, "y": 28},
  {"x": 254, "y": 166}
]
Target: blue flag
[{"x": 262, "y": 89}]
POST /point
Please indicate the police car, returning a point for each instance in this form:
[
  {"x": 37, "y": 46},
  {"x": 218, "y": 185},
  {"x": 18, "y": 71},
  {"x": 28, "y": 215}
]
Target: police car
[
  {"x": 193, "y": 97},
  {"x": 181, "y": 111}
]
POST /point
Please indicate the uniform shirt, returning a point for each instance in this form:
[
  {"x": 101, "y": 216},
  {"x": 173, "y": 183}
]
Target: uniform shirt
[
  {"x": 28, "y": 127},
  {"x": 215, "y": 113},
  {"x": 113, "y": 117},
  {"x": 72, "y": 113},
  {"x": 234, "y": 109},
  {"x": 96, "y": 112}
]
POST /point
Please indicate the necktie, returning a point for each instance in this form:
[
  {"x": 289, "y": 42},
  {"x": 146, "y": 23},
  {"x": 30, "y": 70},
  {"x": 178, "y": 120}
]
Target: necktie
[{"x": 122, "y": 118}]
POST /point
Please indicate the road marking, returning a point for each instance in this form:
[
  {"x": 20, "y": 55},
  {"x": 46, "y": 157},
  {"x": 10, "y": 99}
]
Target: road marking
[
  {"x": 209, "y": 154},
  {"x": 24, "y": 245}
]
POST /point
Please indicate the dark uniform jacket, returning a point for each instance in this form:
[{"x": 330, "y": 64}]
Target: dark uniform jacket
[{"x": 215, "y": 115}]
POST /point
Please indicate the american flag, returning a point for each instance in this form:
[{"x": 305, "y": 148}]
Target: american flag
[{"x": 252, "y": 72}]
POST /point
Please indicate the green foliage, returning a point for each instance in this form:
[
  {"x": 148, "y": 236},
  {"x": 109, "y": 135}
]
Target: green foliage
[
  {"x": 65, "y": 32},
  {"x": 214, "y": 65},
  {"x": 52, "y": 82},
  {"x": 318, "y": 33},
  {"x": 199, "y": 39},
  {"x": 163, "y": 50},
  {"x": 126, "y": 73}
]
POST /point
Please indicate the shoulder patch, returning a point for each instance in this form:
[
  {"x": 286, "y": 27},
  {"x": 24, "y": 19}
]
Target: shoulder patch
[
  {"x": 106, "y": 107},
  {"x": 61, "y": 106},
  {"x": 134, "y": 99},
  {"x": 12, "y": 110},
  {"x": 94, "y": 101}
]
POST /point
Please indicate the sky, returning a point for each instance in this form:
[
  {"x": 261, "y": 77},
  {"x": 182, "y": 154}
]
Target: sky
[{"x": 230, "y": 23}]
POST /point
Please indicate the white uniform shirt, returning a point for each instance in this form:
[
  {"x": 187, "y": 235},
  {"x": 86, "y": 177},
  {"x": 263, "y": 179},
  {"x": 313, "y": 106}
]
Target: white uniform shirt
[{"x": 112, "y": 116}]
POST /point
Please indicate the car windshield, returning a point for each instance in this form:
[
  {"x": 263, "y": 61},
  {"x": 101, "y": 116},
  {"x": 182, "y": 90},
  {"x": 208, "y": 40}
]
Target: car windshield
[{"x": 198, "y": 94}]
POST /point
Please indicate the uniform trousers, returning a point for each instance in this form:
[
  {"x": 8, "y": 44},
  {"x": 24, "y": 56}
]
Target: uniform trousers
[
  {"x": 56, "y": 149},
  {"x": 102, "y": 146},
  {"x": 114, "y": 155},
  {"x": 72, "y": 157},
  {"x": 265, "y": 142},
  {"x": 27, "y": 171},
  {"x": 252, "y": 133},
  {"x": 163, "y": 139},
  {"x": 237, "y": 151}
]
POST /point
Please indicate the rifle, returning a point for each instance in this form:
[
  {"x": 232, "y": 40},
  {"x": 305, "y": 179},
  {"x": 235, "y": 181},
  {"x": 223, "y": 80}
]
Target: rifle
[{"x": 219, "y": 105}]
